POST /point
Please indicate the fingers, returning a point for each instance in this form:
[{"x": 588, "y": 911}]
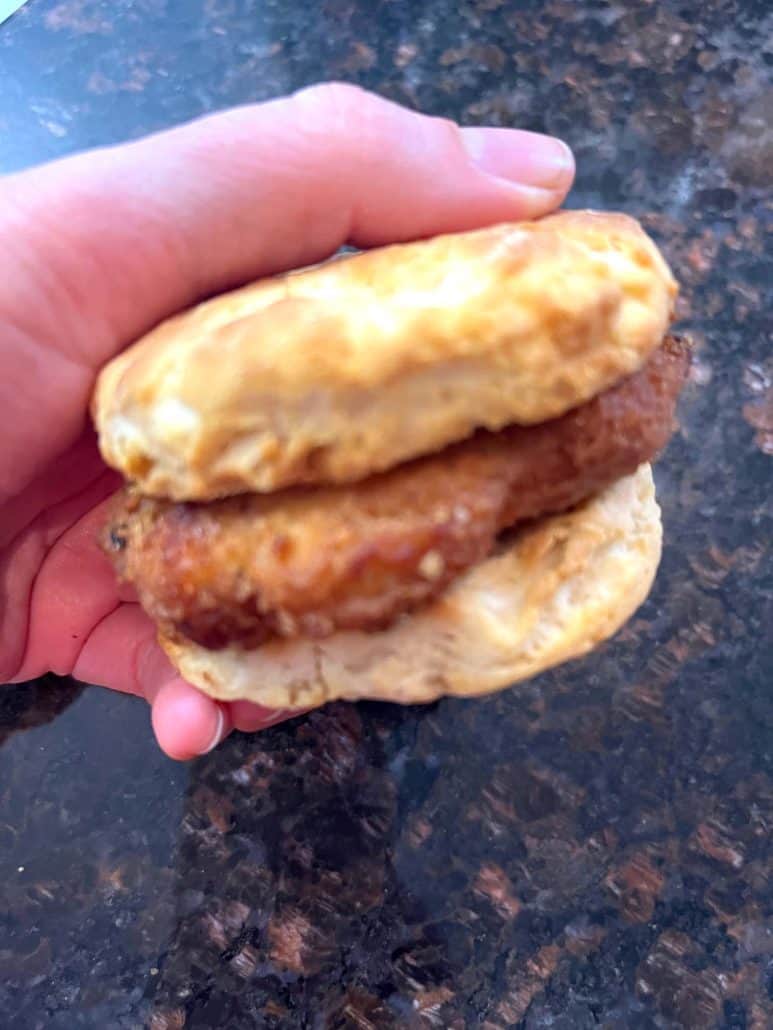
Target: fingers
[
  {"x": 80, "y": 631},
  {"x": 107, "y": 244},
  {"x": 67, "y": 616},
  {"x": 122, "y": 652},
  {"x": 249, "y": 717},
  {"x": 55, "y": 584},
  {"x": 186, "y": 722}
]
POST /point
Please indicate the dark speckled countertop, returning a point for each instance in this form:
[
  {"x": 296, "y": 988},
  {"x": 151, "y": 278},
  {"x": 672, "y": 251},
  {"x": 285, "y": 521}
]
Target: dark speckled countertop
[{"x": 591, "y": 849}]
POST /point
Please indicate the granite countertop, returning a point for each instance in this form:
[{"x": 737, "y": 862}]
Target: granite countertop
[{"x": 590, "y": 849}]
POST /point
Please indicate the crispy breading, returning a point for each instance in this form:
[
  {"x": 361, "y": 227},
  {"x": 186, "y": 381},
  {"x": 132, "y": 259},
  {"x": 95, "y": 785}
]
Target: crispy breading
[{"x": 310, "y": 561}]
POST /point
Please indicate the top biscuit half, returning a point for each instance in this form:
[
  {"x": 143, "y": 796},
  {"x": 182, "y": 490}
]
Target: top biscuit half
[{"x": 335, "y": 372}]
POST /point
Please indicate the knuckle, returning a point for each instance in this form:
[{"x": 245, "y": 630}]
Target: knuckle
[
  {"x": 449, "y": 132},
  {"x": 332, "y": 106}
]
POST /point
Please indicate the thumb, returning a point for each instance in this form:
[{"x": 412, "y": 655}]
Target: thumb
[
  {"x": 109, "y": 243},
  {"x": 128, "y": 235}
]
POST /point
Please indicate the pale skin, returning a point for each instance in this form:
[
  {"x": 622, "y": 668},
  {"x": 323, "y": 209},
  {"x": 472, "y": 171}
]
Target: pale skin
[{"x": 100, "y": 247}]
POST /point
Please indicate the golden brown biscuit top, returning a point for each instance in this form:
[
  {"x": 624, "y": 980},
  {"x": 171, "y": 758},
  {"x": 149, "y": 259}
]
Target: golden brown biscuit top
[{"x": 332, "y": 373}]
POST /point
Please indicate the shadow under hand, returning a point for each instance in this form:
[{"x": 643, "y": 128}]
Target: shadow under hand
[{"x": 24, "y": 706}]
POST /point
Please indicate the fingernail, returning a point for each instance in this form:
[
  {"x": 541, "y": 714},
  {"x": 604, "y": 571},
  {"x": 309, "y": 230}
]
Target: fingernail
[
  {"x": 527, "y": 158},
  {"x": 218, "y": 734}
]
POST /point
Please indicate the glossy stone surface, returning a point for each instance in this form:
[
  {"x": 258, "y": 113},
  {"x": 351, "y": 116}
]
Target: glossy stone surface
[{"x": 589, "y": 849}]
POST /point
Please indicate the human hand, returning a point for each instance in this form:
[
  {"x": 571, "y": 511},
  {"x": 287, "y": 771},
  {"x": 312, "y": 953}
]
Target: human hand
[{"x": 102, "y": 246}]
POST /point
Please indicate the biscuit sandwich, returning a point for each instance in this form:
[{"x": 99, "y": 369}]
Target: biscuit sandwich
[{"x": 417, "y": 471}]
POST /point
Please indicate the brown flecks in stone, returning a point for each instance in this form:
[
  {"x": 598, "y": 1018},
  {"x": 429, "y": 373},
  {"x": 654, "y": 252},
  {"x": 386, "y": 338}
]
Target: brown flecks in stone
[
  {"x": 291, "y": 937},
  {"x": 418, "y": 832},
  {"x": 360, "y": 58},
  {"x": 486, "y": 6},
  {"x": 215, "y": 810},
  {"x": 168, "y": 1019},
  {"x": 111, "y": 879},
  {"x": 747, "y": 558},
  {"x": 759, "y": 414},
  {"x": 429, "y": 1003},
  {"x": 527, "y": 980},
  {"x": 711, "y": 567},
  {"x": 359, "y": 1010},
  {"x": 754, "y": 936},
  {"x": 748, "y": 147},
  {"x": 636, "y": 885},
  {"x": 643, "y": 702},
  {"x": 702, "y": 252},
  {"x": 714, "y": 840},
  {"x": 758, "y": 377},
  {"x": 405, "y": 53},
  {"x": 582, "y": 937},
  {"x": 493, "y": 883},
  {"x": 274, "y": 1009},
  {"x": 684, "y": 996},
  {"x": 338, "y": 750},
  {"x": 245, "y": 962},
  {"x": 224, "y": 923},
  {"x": 84, "y": 17},
  {"x": 489, "y": 56},
  {"x": 136, "y": 77}
]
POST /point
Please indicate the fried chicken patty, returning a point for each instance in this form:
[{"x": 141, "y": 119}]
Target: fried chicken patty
[{"x": 310, "y": 561}]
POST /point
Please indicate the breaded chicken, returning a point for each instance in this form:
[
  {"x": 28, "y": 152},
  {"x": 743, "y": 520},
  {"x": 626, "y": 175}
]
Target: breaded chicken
[{"x": 310, "y": 561}]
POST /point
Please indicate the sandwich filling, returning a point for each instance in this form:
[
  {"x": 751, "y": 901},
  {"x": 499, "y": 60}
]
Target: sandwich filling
[{"x": 309, "y": 561}]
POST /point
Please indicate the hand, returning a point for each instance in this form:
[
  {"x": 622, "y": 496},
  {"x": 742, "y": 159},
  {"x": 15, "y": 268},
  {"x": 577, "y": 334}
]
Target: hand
[{"x": 100, "y": 247}]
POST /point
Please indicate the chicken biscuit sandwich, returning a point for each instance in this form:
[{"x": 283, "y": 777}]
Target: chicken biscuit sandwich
[{"x": 417, "y": 471}]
